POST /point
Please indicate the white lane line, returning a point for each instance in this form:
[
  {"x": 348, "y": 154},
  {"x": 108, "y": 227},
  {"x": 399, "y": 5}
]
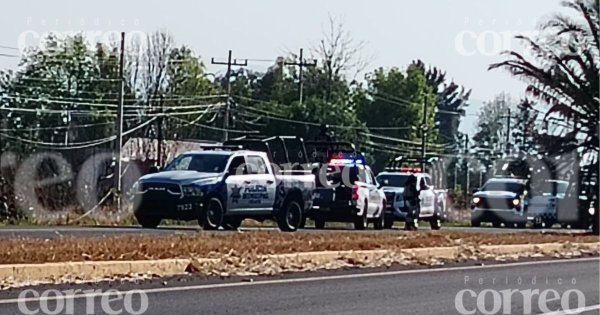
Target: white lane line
[
  {"x": 294, "y": 280},
  {"x": 575, "y": 311}
]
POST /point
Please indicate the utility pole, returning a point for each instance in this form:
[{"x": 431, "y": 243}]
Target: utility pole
[
  {"x": 424, "y": 136},
  {"x": 159, "y": 133},
  {"x": 119, "y": 144},
  {"x": 301, "y": 63},
  {"x": 467, "y": 175},
  {"x": 230, "y": 62},
  {"x": 508, "y": 117}
]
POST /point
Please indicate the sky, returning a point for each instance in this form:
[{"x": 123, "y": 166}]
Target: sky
[{"x": 461, "y": 37}]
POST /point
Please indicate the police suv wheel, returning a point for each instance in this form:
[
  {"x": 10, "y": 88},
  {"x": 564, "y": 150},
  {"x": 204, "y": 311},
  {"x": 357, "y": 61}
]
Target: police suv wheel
[
  {"x": 475, "y": 223},
  {"x": 290, "y": 216},
  {"x": 148, "y": 222},
  {"x": 212, "y": 216}
]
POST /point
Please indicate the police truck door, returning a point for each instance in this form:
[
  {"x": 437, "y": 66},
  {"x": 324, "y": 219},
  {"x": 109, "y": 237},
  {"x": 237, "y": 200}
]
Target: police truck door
[
  {"x": 260, "y": 193},
  {"x": 236, "y": 183}
]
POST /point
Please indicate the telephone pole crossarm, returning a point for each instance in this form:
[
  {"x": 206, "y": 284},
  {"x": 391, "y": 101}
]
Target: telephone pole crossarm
[{"x": 230, "y": 62}]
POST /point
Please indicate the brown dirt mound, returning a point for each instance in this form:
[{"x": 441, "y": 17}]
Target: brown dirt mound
[{"x": 144, "y": 247}]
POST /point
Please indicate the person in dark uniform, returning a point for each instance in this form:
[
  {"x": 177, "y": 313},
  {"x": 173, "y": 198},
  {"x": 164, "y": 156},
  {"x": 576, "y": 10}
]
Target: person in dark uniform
[{"x": 411, "y": 200}]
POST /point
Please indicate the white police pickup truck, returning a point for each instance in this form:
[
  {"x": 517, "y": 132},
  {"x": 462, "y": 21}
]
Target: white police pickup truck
[
  {"x": 393, "y": 183},
  {"x": 221, "y": 188}
]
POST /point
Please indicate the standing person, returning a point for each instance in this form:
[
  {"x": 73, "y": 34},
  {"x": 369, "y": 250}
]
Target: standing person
[{"x": 411, "y": 199}]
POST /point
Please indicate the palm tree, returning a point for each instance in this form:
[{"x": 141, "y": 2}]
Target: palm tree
[{"x": 564, "y": 75}]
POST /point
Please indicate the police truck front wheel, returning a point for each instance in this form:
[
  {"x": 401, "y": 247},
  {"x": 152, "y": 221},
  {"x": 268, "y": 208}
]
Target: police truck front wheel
[
  {"x": 289, "y": 217},
  {"x": 212, "y": 216},
  {"x": 148, "y": 222}
]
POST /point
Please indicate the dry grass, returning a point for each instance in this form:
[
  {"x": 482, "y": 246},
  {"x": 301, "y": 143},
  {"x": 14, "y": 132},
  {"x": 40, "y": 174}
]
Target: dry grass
[{"x": 145, "y": 247}]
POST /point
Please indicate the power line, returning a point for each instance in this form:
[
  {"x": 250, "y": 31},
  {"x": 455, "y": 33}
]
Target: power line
[
  {"x": 77, "y": 145},
  {"x": 57, "y": 127},
  {"x": 214, "y": 128},
  {"x": 9, "y": 47}
]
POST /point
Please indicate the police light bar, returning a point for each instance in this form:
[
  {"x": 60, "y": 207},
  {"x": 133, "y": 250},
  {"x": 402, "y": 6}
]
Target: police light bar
[
  {"x": 347, "y": 159},
  {"x": 411, "y": 169}
]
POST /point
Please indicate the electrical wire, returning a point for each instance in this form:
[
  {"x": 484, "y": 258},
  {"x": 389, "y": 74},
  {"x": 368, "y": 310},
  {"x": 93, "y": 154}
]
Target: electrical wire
[
  {"x": 215, "y": 128},
  {"x": 77, "y": 145}
]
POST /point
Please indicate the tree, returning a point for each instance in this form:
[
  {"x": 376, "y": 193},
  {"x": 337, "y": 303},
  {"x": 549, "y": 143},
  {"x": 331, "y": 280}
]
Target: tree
[
  {"x": 525, "y": 131},
  {"x": 394, "y": 99},
  {"x": 490, "y": 139},
  {"x": 451, "y": 100},
  {"x": 339, "y": 54},
  {"x": 564, "y": 73}
]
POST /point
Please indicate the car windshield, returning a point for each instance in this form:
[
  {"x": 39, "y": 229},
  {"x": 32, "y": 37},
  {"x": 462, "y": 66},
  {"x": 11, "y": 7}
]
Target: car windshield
[
  {"x": 392, "y": 180},
  {"x": 504, "y": 186},
  {"x": 205, "y": 163},
  {"x": 554, "y": 188}
]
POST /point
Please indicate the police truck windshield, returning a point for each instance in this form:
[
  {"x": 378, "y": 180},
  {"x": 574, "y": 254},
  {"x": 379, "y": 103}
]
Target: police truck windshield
[
  {"x": 392, "y": 180},
  {"x": 204, "y": 163},
  {"x": 504, "y": 186}
]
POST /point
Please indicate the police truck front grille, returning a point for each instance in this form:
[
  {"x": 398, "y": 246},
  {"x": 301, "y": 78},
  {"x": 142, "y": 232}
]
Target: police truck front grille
[
  {"x": 160, "y": 191},
  {"x": 496, "y": 204}
]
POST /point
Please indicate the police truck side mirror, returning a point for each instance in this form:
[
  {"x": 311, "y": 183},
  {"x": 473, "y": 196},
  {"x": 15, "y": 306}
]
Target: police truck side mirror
[
  {"x": 476, "y": 190},
  {"x": 154, "y": 169}
]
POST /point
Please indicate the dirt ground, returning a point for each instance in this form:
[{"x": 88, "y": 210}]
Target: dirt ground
[{"x": 144, "y": 247}]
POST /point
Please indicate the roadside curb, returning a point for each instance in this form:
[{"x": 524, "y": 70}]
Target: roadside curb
[{"x": 171, "y": 267}]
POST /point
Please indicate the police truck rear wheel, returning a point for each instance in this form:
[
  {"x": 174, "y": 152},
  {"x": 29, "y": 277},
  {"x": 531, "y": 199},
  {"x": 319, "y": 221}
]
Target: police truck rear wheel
[
  {"x": 212, "y": 216},
  {"x": 148, "y": 222},
  {"x": 289, "y": 217},
  {"x": 475, "y": 223}
]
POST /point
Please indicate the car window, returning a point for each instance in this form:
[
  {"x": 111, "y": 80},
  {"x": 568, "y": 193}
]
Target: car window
[
  {"x": 373, "y": 179},
  {"x": 205, "y": 163},
  {"x": 237, "y": 166},
  {"x": 182, "y": 164},
  {"x": 256, "y": 165}
]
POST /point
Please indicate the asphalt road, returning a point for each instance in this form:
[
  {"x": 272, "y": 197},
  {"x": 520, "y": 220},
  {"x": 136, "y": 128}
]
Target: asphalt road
[
  {"x": 424, "y": 291},
  {"x": 95, "y": 231}
]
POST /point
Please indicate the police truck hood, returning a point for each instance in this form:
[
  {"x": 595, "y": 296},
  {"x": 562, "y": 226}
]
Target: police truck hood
[
  {"x": 393, "y": 189},
  {"x": 181, "y": 177},
  {"x": 496, "y": 194}
]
